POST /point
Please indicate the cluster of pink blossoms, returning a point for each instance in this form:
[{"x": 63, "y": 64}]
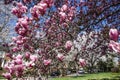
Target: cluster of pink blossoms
[
  {"x": 22, "y": 26},
  {"x": 19, "y": 10},
  {"x": 66, "y": 13},
  {"x": 40, "y": 8},
  {"x": 114, "y": 35},
  {"x": 17, "y": 65}
]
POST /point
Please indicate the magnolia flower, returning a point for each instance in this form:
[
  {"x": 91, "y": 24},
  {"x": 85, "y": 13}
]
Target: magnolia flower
[
  {"x": 33, "y": 58},
  {"x": 68, "y": 45},
  {"x": 64, "y": 8},
  {"x": 18, "y": 61},
  {"x": 30, "y": 64},
  {"x": 60, "y": 57},
  {"x": 113, "y": 33},
  {"x": 48, "y": 2},
  {"x": 82, "y": 62},
  {"x": 27, "y": 55},
  {"x": 62, "y": 15},
  {"x": 7, "y": 76},
  {"x": 19, "y": 10},
  {"x": 114, "y": 46},
  {"x": 19, "y": 56},
  {"x": 11, "y": 68},
  {"x": 14, "y": 49},
  {"x": 47, "y": 62}
]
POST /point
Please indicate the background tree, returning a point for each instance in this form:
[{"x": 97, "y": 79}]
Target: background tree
[{"x": 90, "y": 46}]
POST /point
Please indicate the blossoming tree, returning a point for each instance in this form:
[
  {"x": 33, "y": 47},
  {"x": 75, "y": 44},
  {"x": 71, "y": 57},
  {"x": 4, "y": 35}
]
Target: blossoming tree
[{"x": 45, "y": 31}]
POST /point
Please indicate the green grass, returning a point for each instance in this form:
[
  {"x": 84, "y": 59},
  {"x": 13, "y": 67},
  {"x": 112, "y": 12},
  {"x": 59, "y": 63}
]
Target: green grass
[{"x": 97, "y": 76}]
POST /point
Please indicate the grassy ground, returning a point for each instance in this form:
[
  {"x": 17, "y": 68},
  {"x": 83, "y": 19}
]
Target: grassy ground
[{"x": 97, "y": 76}]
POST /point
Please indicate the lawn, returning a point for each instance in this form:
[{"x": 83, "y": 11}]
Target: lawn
[{"x": 97, "y": 76}]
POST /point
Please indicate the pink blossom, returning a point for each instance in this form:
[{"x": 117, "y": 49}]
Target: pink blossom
[
  {"x": 14, "y": 49},
  {"x": 33, "y": 58},
  {"x": 7, "y": 76},
  {"x": 18, "y": 61},
  {"x": 19, "y": 42},
  {"x": 60, "y": 57},
  {"x": 20, "y": 67},
  {"x": 6, "y": 67},
  {"x": 68, "y": 45},
  {"x": 57, "y": 44},
  {"x": 12, "y": 68},
  {"x": 114, "y": 46},
  {"x": 49, "y": 2},
  {"x": 64, "y": 8},
  {"x": 47, "y": 62},
  {"x": 82, "y": 62},
  {"x": 27, "y": 55},
  {"x": 30, "y": 64},
  {"x": 35, "y": 13},
  {"x": 19, "y": 10},
  {"x": 113, "y": 33},
  {"x": 23, "y": 22},
  {"x": 62, "y": 15},
  {"x": 19, "y": 56},
  {"x": 19, "y": 70},
  {"x": 14, "y": 39}
]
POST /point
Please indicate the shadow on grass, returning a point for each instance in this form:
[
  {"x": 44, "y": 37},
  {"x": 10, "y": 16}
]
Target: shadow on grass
[{"x": 78, "y": 76}]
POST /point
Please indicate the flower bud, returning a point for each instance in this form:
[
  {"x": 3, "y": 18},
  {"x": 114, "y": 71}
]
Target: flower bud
[
  {"x": 47, "y": 62},
  {"x": 113, "y": 33},
  {"x": 60, "y": 57},
  {"x": 68, "y": 45}
]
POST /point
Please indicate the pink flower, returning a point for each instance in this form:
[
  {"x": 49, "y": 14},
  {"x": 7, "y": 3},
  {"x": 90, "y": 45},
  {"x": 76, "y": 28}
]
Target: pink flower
[
  {"x": 19, "y": 42},
  {"x": 7, "y": 76},
  {"x": 30, "y": 64},
  {"x": 60, "y": 57},
  {"x": 35, "y": 13},
  {"x": 57, "y": 44},
  {"x": 19, "y": 70},
  {"x": 82, "y": 62},
  {"x": 68, "y": 45},
  {"x": 114, "y": 46},
  {"x": 49, "y": 2},
  {"x": 23, "y": 22},
  {"x": 62, "y": 15},
  {"x": 12, "y": 68},
  {"x": 14, "y": 49},
  {"x": 18, "y": 61},
  {"x": 14, "y": 39},
  {"x": 47, "y": 62},
  {"x": 19, "y": 56},
  {"x": 19, "y": 10},
  {"x": 113, "y": 33},
  {"x": 27, "y": 55},
  {"x": 64, "y": 8},
  {"x": 33, "y": 58}
]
